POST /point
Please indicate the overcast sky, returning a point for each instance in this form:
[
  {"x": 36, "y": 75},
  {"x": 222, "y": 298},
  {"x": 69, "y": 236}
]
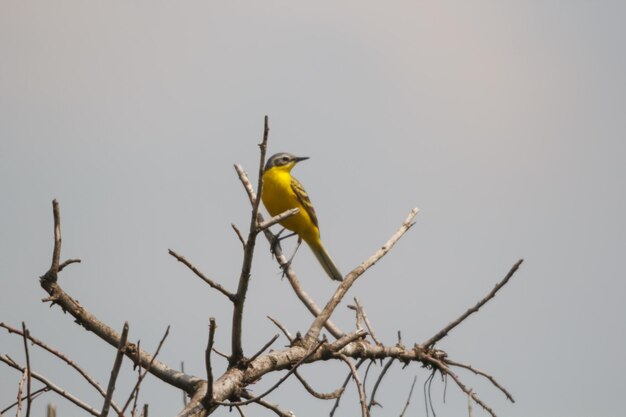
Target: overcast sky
[{"x": 503, "y": 121}]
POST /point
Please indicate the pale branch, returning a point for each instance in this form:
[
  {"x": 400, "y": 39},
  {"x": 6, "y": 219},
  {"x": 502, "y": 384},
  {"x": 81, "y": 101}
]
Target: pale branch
[
  {"x": 408, "y": 399},
  {"x": 443, "y": 332},
  {"x": 33, "y": 395},
  {"x": 343, "y": 387},
  {"x": 377, "y": 383},
  {"x": 246, "y": 267},
  {"x": 483, "y": 374},
  {"x": 90, "y": 322},
  {"x": 63, "y": 393},
  {"x": 20, "y": 389},
  {"x": 343, "y": 341},
  {"x": 28, "y": 371},
  {"x": 330, "y": 396},
  {"x": 265, "y": 346},
  {"x": 282, "y": 260},
  {"x": 282, "y": 328},
  {"x": 239, "y": 235},
  {"x": 208, "y": 399},
  {"x": 203, "y": 277},
  {"x": 65, "y": 359},
  {"x": 343, "y": 288},
  {"x": 276, "y": 409},
  {"x": 359, "y": 386},
  {"x": 277, "y": 219},
  {"x": 115, "y": 372},
  {"x": 278, "y": 383},
  {"x": 148, "y": 367},
  {"x": 369, "y": 326}
]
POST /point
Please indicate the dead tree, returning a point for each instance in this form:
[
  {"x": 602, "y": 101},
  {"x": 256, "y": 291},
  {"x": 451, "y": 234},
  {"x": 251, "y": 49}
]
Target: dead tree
[{"x": 231, "y": 389}]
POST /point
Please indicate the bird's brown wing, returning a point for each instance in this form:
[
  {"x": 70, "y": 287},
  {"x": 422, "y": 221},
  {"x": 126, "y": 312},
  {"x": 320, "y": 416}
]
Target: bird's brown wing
[{"x": 303, "y": 197}]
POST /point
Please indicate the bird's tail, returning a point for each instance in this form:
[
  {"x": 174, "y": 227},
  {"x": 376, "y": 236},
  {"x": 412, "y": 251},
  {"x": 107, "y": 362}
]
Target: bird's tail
[{"x": 325, "y": 260}]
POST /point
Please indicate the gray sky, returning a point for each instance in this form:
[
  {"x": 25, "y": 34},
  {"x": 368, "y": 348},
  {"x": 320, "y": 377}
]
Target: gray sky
[{"x": 502, "y": 120}]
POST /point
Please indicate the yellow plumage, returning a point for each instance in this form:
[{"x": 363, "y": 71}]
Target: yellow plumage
[{"x": 282, "y": 192}]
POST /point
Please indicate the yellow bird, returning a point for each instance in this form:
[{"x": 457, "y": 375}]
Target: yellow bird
[{"x": 282, "y": 192}]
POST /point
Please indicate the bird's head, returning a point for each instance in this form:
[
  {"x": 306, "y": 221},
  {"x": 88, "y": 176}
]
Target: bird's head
[{"x": 283, "y": 161}]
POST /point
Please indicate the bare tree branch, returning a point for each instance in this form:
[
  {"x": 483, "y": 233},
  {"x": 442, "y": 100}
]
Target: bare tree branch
[
  {"x": 280, "y": 381},
  {"x": 65, "y": 359},
  {"x": 90, "y": 322},
  {"x": 203, "y": 277},
  {"x": 343, "y": 387},
  {"x": 269, "y": 406},
  {"x": 277, "y": 219},
  {"x": 330, "y": 396},
  {"x": 343, "y": 288},
  {"x": 443, "y": 332},
  {"x": 244, "y": 278},
  {"x": 361, "y": 311},
  {"x": 359, "y": 385},
  {"x": 265, "y": 346},
  {"x": 115, "y": 371},
  {"x": 408, "y": 400},
  {"x": 484, "y": 374},
  {"x": 282, "y": 328},
  {"x": 377, "y": 384},
  {"x": 208, "y": 399},
  {"x": 148, "y": 367},
  {"x": 28, "y": 369},
  {"x": 63, "y": 393}
]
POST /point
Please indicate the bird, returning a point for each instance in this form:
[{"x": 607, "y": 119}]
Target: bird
[{"x": 282, "y": 192}]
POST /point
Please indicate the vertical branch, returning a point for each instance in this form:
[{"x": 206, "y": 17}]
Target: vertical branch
[
  {"x": 208, "y": 399},
  {"x": 25, "y": 334},
  {"x": 56, "y": 253},
  {"x": 244, "y": 278},
  {"x": 115, "y": 371}
]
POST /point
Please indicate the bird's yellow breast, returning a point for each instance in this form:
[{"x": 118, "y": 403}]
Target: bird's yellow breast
[{"x": 279, "y": 196}]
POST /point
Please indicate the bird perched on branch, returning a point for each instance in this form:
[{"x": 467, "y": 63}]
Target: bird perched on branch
[{"x": 282, "y": 192}]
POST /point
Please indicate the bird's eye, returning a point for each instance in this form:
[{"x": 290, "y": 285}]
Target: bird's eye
[{"x": 284, "y": 159}]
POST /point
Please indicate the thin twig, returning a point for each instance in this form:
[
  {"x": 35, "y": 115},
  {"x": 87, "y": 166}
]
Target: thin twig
[
  {"x": 203, "y": 277},
  {"x": 208, "y": 399},
  {"x": 443, "y": 332},
  {"x": 369, "y": 326},
  {"x": 408, "y": 400},
  {"x": 65, "y": 359},
  {"x": 63, "y": 393},
  {"x": 359, "y": 385},
  {"x": 483, "y": 374},
  {"x": 20, "y": 389},
  {"x": 265, "y": 346},
  {"x": 277, "y": 384},
  {"x": 182, "y": 369},
  {"x": 282, "y": 328},
  {"x": 147, "y": 368},
  {"x": 239, "y": 235},
  {"x": 377, "y": 384},
  {"x": 277, "y": 219},
  {"x": 343, "y": 387},
  {"x": 269, "y": 406},
  {"x": 34, "y": 395},
  {"x": 115, "y": 371},
  {"x": 25, "y": 334},
  {"x": 343, "y": 288},
  {"x": 330, "y": 396}
]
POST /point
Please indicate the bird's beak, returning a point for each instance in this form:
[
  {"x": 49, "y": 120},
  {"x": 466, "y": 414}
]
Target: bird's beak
[{"x": 301, "y": 158}]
